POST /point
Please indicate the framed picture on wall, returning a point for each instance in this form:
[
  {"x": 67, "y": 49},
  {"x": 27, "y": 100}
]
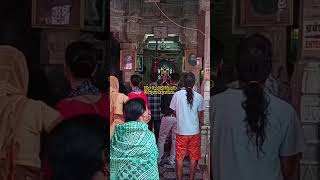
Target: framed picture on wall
[
  {"x": 139, "y": 63},
  {"x": 93, "y": 15},
  {"x": 62, "y": 14},
  {"x": 266, "y": 13},
  {"x": 127, "y": 60},
  {"x": 191, "y": 61},
  {"x": 236, "y": 29}
]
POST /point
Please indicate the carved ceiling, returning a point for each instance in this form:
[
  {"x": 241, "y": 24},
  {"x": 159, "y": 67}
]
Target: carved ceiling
[{"x": 134, "y": 18}]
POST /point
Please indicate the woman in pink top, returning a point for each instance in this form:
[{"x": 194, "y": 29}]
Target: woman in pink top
[
  {"x": 84, "y": 97},
  {"x": 136, "y": 91}
]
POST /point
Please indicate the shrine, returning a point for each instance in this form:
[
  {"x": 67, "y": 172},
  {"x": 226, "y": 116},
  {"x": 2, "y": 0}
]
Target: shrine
[{"x": 162, "y": 38}]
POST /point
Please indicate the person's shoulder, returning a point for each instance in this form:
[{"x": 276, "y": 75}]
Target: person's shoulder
[
  {"x": 123, "y": 95},
  {"x": 177, "y": 93},
  {"x": 39, "y": 107},
  {"x": 180, "y": 91},
  {"x": 280, "y": 104},
  {"x": 65, "y": 101},
  {"x": 70, "y": 103},
  {"x": 227, "y": 96},
  {"x": 37, "y": 103},
  {"x": 63, "y": 104},
  {"x": 197, "y": 94}
]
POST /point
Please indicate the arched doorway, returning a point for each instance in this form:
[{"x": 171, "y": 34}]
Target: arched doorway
[{"x": 161, "y": 56}]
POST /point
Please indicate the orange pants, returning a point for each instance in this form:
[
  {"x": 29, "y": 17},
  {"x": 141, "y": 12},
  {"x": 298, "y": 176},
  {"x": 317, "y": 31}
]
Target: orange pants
[{"x": 190, "y": 144}]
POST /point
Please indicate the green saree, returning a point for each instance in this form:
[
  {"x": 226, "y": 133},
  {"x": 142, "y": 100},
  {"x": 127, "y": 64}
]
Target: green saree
[{"x": 133, "y": 153}]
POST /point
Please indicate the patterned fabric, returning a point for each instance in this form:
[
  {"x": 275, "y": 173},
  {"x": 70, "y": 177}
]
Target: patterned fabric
[
  {"x": 190, "y": 144},
  {"x": 85, "y": 88},
  {"x": 136, "y": 89},
  {"x": 133, "y": 153},
  {"x": 154, "y": 105}
]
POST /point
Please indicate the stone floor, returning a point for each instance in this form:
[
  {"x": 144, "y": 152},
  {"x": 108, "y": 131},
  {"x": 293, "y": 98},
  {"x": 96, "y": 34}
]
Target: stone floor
[{"x": 168, "y": 172}]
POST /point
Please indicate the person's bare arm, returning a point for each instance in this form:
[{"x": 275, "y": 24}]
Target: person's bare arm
[{"x": 290, "y": 167}]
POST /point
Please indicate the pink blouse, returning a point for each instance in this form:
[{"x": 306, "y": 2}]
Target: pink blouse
[{"x": 70, "y": 108}]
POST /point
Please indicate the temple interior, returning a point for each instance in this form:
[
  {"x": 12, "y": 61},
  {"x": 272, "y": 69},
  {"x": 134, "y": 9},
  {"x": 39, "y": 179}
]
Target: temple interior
[{"x": 163, "y": 37}]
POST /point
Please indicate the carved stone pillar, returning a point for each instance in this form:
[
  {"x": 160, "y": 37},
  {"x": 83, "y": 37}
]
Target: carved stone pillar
[
  {"x": 132, "y": 28},
  {"x": 116, "y": 15},
  {"x": 190, "y": 12},
  {"x": 204, "y": 5}
]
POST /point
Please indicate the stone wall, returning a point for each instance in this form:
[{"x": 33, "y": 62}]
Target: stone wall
[{"x": 133, "y": 19}]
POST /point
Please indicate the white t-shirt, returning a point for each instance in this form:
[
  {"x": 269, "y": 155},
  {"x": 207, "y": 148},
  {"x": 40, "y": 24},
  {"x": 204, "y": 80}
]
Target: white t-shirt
[
  {"x": 187, "y": 117},
  {"x": 234, "y": 156}
]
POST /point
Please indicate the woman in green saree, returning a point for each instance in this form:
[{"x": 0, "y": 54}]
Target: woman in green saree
[{"x": 133, "y": 148}]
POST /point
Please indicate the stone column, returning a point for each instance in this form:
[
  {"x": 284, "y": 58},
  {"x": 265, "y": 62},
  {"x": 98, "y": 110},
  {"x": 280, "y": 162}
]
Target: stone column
[
  {"x": 204, "y": 9},
  {"x": 130, "y": 35},
  {"x": 190, "y": 17},
  {"x": 308, "y": 91},
  {"x": 116, "y": 15}
]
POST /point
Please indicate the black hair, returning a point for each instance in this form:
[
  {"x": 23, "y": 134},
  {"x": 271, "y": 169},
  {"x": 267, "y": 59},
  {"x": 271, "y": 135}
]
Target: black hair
[
  {"x": 254, "y": 66},
  {"x": 74, "y": 149},
  {"x": 135, "y": 80},
  {"x": 218, "y": 47},
  {"x": 81, "y": 59},
  {"x": 133, "y": 109},
  {"x": 114, "y": 71},
  {"x": 189, "y": 80},
  {"x": 153, "y": 77},
  {"x": 175, "y": 77},
  {"x": 219, "y": 51}
]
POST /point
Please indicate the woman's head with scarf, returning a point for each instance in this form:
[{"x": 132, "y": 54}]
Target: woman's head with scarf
[
  {"x": 13, "y": 90},
  {"x": 114, "y": 84},
  {"x": 114, "y": 90},
  {"x": 14, "y": 74}
]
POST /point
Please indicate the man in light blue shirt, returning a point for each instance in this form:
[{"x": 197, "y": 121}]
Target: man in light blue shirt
[{"x": 188, "y": 107}]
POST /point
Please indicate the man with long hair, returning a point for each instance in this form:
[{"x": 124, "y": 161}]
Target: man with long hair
[
  {"x": 187, "y": 105},
  {"x": 256, "y": 135}
]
